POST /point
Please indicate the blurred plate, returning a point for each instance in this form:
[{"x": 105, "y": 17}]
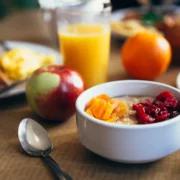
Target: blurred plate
[
  {"x": 118, "y": 16},
  {"x": 35, "y": 47}
]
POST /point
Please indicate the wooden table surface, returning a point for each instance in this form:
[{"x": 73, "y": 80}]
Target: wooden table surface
[{"x": 80, "y": 163}]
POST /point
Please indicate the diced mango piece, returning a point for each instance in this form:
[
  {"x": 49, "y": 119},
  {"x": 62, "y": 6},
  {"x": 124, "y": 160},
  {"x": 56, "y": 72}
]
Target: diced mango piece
[
  {"x": 105, "y": 108},
  {"x": 88, "y": 111},
  {"x": 108, "y": 111},
  {"x": 90, "y": 103},
  {"x": 112, "y": 118},
  {"x": 115, "y": 103},
  {"x": 104, "y": 96},
  {"x": 122, "y": 109},
  {"x": 98, "y": 108}
]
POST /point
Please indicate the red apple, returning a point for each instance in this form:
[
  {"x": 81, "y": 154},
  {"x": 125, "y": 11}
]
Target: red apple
[{"x": 52, "y": 91}]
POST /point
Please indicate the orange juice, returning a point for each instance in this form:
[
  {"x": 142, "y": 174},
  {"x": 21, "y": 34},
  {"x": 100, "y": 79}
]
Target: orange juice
[{"x": 86, "y": 49}]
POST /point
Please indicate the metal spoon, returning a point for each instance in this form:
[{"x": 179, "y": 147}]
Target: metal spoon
[{"x": 36, "y": 142}]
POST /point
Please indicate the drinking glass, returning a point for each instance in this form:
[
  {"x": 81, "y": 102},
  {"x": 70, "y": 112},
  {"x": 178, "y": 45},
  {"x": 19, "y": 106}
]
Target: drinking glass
[{"x": 84, "y": 37}]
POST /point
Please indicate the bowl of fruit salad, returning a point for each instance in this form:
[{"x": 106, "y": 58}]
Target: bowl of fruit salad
[{"x": 131, "y": 121}]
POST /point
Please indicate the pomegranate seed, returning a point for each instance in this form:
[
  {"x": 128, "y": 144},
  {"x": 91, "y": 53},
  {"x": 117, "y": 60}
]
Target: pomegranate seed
[
  {"x": 163, "y": 95},
  {"x": 171, "y": 102},
  {"x": 164, "y": 106},
  {"x": 143, "y": 117},
  {"x": 159, "y": 104},
  {"x": 163, "y": 115}
]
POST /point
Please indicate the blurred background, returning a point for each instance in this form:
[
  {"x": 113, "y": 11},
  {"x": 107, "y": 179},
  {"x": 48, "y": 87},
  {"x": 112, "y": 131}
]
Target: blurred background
[
  {"x": 132, "y": 3},
  {"x": 34, "y": 20}
]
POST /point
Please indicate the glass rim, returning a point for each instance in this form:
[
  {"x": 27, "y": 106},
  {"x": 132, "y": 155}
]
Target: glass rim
[{"x": 70, "y": 11}]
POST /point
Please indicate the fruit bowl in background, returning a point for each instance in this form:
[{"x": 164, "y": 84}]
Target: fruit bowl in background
[{"x": 128, "y": 143}]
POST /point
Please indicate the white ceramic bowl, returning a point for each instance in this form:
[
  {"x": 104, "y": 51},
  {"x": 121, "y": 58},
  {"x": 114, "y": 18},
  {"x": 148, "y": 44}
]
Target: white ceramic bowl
[{"x": 128, "y": 143}]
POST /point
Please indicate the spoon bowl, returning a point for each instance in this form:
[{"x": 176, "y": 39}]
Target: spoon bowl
[
  {"x": 34, "y": 138},
  {"x": 35, "y": 141}
]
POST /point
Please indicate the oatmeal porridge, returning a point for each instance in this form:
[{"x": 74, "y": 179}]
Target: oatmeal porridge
[
  {"x": 131, "y": 116},
  {"x": 134, "y": 109}
]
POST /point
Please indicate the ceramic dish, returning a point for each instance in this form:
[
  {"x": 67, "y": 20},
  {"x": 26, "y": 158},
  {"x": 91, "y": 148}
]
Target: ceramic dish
[
  {"x": 135, "y": 26},
  {"x": 128, "y": 143},
  {"x": 37, "y": 48}
]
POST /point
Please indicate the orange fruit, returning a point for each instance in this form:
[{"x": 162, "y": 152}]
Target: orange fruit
[{"x": 146, "y": 55}]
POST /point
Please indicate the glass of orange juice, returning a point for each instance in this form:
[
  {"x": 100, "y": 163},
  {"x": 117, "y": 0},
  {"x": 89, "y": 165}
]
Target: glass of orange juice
[{"x": 84, "y": 37}]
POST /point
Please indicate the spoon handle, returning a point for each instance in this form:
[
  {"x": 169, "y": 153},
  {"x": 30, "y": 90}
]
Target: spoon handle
[{"x": 57, "y": 171}]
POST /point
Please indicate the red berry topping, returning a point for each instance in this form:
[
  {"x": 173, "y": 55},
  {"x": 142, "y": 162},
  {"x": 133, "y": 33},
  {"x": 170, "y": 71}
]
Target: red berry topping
[
  {"x": 163, "y": 95},
  {"x": 164, "y": 106},
  {"x": 171, "y": 102},
  {"x": 163, "y": 115},
  {"x": 143, "y": 117}
]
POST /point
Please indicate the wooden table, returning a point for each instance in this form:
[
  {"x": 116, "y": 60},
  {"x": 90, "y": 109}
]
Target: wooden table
[{"x": 80, "y": 163}]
